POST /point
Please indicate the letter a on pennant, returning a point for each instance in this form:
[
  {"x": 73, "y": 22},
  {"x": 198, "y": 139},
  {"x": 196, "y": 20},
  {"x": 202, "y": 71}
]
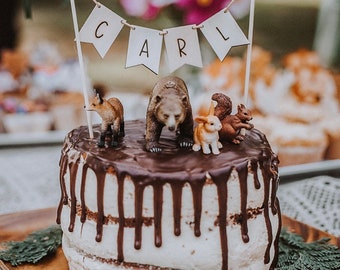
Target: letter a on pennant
[
  {"x": 182, "y": 47},
  {"x": 101, "y": 28},
  {"x": 222, "y": 32},
  {"x": 145, "y": 47}
]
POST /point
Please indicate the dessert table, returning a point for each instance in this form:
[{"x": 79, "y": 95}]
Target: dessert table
[{"x": 30, "y": 182}]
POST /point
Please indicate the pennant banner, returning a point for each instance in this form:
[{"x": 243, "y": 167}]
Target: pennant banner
[
  {"x": 222, "y": 32},
  {"x": 145, "y": 45},
  {"x": 101, "y": 28},
  {"x": 182, "y": 46}
]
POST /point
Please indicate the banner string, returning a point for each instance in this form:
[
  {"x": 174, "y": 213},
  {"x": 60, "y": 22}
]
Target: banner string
[
  {"x": 228, "y": 6},
  {"x": 128, "y": 25},
  {"x": 97, "y": 3},
  {"x": 198, "y": 26}
]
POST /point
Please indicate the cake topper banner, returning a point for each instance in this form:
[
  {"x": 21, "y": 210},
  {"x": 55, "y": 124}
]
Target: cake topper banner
[
  {"x": 182, "y": 47},
  {"x": 222, "y": 32},
  {"x": 145, "y": 48},
  {"x": 145, "y": 45},
  {"x": 101, "y": 29}
]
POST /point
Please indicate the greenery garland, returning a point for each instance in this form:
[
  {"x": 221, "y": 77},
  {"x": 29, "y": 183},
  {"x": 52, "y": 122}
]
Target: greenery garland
[
  {"x": 294, "y": 253},
  {"x": 34, "y": 248}
]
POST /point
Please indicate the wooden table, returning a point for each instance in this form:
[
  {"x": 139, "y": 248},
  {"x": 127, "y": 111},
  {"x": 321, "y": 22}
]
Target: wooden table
[{"x": 16, "y": 226}]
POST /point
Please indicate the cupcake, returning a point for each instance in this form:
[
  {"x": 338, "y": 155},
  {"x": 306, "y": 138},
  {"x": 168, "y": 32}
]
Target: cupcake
[
  {"x": 299, "y": 143},
  {"x": 331, "y": 126}
]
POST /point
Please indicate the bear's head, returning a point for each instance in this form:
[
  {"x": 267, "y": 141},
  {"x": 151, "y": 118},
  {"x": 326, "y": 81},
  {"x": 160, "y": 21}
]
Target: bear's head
[{"x": 171, "y": 110}]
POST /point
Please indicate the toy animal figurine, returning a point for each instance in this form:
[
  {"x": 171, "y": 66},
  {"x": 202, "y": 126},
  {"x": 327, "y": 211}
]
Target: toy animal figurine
[
  {"x": 169, "y": 106},
  {"x": 206, "y": 133},
  {"x": 231, "y": 124},
  {"x": 112, "y": 113}
]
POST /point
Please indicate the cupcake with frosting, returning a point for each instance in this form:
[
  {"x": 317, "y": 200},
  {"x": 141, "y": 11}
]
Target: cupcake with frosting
[{"x": 295, "y": 143}]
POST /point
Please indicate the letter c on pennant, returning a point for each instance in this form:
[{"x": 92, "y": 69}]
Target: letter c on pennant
[{"x": 96, "y": 33}]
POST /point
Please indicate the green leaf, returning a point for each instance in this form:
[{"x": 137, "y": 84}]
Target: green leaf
[
  {"x": 295, "y": 254},
  {"x": 34, "y": 248}
]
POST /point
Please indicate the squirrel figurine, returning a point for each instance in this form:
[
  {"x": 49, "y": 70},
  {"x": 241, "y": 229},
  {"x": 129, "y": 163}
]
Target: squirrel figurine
[{"x": 231, "y": 124}]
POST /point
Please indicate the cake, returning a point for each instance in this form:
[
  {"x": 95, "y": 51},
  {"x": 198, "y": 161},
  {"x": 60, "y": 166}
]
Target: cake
[{"x": 127, "y": 208}]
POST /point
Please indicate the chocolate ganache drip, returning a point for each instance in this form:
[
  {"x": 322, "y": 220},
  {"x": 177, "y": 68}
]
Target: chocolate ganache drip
[{"x": 173, "y": 166}]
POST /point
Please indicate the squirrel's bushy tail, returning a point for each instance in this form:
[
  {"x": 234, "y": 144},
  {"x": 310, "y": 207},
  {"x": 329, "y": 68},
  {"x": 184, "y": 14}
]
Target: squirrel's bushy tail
[{"x": 224, "y": 105}]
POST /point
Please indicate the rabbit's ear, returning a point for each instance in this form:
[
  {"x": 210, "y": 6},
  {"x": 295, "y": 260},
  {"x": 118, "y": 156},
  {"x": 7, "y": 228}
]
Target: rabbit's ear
[
  {"x": 211, "y": 108},
  {"x": 201, "y": 119}
]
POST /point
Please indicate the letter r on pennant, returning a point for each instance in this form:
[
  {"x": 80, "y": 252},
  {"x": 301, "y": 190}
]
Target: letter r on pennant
[{"x": 181, "y": 45}]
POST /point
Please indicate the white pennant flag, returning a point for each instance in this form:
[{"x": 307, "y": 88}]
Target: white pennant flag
[
  {"x": 101, "y": 28},
  {"x": 145, "y": 47},
  {"x": 182, "y": 47},
  {"x": 222, "y": 32}
]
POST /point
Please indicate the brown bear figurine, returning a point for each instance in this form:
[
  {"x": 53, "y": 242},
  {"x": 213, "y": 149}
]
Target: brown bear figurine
[{"x": 169, "y": 106}]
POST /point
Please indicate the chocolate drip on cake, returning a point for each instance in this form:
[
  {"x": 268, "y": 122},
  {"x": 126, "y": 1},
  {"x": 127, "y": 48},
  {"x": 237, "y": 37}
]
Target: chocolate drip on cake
[
  {"x": 220, "y": 177},
  {"x": 174, "y": 166},
  {"x": 73, "y": 167},
  {"x": 82, "y": 194}
]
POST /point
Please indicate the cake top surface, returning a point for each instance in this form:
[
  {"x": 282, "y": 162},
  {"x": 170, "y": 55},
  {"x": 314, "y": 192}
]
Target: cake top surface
[{"x": 131, "y": 156}]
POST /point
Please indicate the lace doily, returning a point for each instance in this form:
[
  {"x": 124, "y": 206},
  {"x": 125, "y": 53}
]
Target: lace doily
[{"x": 314, "y": 201}]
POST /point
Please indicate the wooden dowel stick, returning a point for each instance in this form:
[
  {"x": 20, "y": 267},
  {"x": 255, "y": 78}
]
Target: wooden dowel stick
[
  {"x": 82, "y": 67},
  {"x": 249, "y": 50}
]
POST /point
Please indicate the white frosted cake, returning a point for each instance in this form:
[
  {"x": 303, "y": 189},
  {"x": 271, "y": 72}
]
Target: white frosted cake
[{"x": 126, "y": 208}]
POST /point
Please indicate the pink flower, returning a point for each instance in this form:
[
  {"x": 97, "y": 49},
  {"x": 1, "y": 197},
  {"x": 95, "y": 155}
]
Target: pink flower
[
  {"x": 196, "y": 11},
  {"x": 145, "y": 9}
]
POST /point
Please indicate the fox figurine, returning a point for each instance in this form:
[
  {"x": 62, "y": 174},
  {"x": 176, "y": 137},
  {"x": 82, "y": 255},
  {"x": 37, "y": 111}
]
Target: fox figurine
[{"x": 112, "y": 113}]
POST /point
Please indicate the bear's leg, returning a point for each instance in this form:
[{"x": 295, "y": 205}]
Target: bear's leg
[
  {"x": 152, "y": 135},
  {"x": 186, "y": 133},
  {"x": 185, "y": 142}
]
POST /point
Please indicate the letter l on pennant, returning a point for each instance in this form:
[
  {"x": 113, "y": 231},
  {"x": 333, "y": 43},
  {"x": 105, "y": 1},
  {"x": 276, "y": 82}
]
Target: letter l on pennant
[{"x": 222, "y": 32}]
